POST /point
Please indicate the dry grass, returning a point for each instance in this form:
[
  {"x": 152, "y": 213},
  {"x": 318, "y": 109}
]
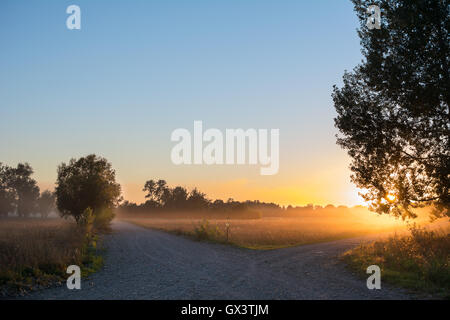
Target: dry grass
[
  {"x": 36, "y": 252},
  {"x": 269, "y": 232},
  {"x": 419, "y": 261},
  {"x": 33, "y": 242}
]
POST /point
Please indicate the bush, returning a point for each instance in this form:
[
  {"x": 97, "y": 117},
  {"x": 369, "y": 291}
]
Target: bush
[
  {"x": 205, "y": 231},
  {"x": 103, "y": 218},
  {"x": 419, "y": 261}
]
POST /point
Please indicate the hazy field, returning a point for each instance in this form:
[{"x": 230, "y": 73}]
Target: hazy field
[
  {"x": 35, "y": 252},
  {"x": 275, "y": 232},
  {"x": 35, "y": 241}
]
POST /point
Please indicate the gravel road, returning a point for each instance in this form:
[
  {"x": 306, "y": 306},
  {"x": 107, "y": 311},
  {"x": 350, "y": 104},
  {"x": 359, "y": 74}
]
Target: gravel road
[{"x": 148, "y": 264}]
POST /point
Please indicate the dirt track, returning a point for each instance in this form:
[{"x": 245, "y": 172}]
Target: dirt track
[{"x": 148, "y": 264}]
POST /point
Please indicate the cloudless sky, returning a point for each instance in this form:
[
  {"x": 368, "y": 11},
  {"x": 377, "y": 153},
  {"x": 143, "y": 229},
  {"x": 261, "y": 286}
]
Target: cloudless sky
[{"x": 137, "y": 70}]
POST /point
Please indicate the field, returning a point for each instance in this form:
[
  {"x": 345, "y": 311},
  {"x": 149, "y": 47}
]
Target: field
[
  {"x": 272, "y": 232},
  {"x": 35, "y": 253}
]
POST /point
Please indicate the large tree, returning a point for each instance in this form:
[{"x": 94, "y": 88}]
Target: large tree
[
  {"x": 393, "y": 109},
  {"x": 89, "y": 182}
]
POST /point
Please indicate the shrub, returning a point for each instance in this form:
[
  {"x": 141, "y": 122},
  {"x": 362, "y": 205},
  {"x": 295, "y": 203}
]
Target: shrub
[
  {"x": 205, "y": 231},
  {"x": 103, "y": 219},
  {"x": 419, "y": 261}
]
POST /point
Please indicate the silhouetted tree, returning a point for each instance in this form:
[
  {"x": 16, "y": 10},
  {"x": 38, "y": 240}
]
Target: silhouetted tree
[
  {"x": 6, "y": 202},
  {"x": 7, "y": 195},
  {"x": 25, "y": 189},
  {"x": 157, "y": 191},
  {"x": 178, "y": 197},
  {"x": 89, "y": 182},
  {"x": 197, "y": 200},
  {"x": 162, "y": 197},
  {"x": 150, "y": 188},
  {"x": 393, "y": 109},
  {"x": 46, "y": 203}
]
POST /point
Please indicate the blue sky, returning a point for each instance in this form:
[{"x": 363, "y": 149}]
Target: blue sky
[{"x": 137, "y": 70}]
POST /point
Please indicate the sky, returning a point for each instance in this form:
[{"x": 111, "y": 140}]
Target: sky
[{"x": 138, "y": 70}]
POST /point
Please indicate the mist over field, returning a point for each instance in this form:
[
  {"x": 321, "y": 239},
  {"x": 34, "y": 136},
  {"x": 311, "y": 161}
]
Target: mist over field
[{"x": 269, "y": 229}]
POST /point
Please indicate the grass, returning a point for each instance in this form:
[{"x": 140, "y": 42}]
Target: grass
[
  {"x": 35, "y": 253},
  {"x": 419, "y": 261},
  {"x": 266, "y": 233}
]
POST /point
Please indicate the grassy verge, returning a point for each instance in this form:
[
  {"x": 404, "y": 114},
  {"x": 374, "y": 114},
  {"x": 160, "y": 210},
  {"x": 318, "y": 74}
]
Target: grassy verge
[
  {"x": 35, "y": 253},
  {"x": 419, "y": 261}
]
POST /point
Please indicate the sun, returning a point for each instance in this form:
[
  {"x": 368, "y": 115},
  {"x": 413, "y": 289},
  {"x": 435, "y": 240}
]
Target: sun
[{"x": 391, "y": 197}]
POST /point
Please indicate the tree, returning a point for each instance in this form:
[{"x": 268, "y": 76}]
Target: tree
[
  {"x": 157, "y": 192},
  {"x": 197, "y": 200},
  {"x": 178, "y": 198},
  {"x": 46, "y": 203},
  {"x": 7, "y": 198},
  {"x": 393, "y": 109},
  {"x": 89, "y": 182},
  {"x": 25, "y": 189},
  {"x": 18, "y": 191},
  {"x": 6, "y": 202},
  {"x": 150, "y": 188}
]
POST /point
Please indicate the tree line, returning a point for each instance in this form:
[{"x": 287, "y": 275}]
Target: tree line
[
  {"x": 87, "y": 187},
  {"x": 19, "y": 192},
  {"x": 86, "y": 190},
  {"x": 161, "y": 197}
]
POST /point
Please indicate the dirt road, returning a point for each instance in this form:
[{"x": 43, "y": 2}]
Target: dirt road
[{"x": 148, "y": 264}]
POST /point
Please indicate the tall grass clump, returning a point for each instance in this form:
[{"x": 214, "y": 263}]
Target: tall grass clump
[
  {"x": 419, "y": 261},
  {"x": 207, "y": 232},
  {"x": 90, "y": 226}
]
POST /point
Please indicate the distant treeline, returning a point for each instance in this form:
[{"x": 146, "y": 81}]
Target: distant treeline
[
  {"x": 164, "y": 199},
  {"x": 89, "y": 182}
]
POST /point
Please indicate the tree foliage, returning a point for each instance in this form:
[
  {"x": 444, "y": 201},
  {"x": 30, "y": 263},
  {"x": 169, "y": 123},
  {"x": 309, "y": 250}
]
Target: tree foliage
[
  {"x": 393, "y": 109},
  {"x": 88, "y": 182},
  {"x": 19, "y": 190},
  {"x": 160, "y": 195},
  {"x": 7, "y": 195},
  {"x": 162, "y": 198}
]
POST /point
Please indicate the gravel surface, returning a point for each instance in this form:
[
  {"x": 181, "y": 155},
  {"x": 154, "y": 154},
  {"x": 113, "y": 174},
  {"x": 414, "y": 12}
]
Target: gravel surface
[{"x": 148, "y": 264}]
